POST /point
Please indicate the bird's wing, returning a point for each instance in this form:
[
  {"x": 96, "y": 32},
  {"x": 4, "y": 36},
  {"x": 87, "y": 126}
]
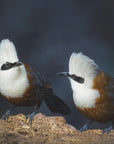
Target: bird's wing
[
  {"x": 34, "y": 77},
  {"x": 105, "y": 84},
  {"x": 110, "y": 88},
  {"x": 54, "y": 103}
]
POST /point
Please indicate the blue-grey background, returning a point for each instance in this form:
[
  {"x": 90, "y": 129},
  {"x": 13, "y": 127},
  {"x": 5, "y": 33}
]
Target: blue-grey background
[{"x": 46, "y": 32}]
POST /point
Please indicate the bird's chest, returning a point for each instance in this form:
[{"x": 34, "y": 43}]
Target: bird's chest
[
  {"x": 95, "y": 107},
  {"x": 84, "y": 97},
  {"x": 13, "y": 87},
  {"x": 31, "y": 97}
]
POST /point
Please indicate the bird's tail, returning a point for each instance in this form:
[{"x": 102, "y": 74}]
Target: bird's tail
[{"x": 54, "y": 103}]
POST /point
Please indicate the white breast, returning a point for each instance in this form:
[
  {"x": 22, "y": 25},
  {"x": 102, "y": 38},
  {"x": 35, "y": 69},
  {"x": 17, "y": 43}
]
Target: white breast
[
  {"x": 13, "y": 82},
  {"x": 83, "y": 96}
]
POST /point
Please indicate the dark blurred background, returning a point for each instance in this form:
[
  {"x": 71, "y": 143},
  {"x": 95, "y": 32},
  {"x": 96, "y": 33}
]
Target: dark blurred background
[{"x": 46, "y": 32}]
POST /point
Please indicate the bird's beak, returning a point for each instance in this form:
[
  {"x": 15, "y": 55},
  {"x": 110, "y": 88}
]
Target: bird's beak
[
  {"x": 66, "y": 74},
  {"x": 17, "y": 64},
  {"x": 72, "y": 76}
]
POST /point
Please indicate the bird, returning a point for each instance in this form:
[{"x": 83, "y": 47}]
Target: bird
[
  {"x": 93, "y": 90},
  {"x": 21, "y": 85}
]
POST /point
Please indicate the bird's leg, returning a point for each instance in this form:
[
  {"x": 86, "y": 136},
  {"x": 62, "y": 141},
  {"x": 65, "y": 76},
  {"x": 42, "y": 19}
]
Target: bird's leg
[
  {"x": 8, "y": 112},
  {"x": 107, "y": 130},
  {"x": 84, "y": 128},
  {"x": 31, "y": 116}
]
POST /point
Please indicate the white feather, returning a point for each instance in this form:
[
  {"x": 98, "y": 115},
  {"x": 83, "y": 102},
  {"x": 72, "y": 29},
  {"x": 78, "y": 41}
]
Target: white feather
[
  {"x": 13, "y": 82},
  {"x": 7, "y": 52},
  {"x": 83, "y": 94}
]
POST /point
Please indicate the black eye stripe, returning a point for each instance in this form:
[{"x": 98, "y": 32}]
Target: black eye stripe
[
  {"x": 72, "y": 76},
  {"x": 9, "y": 65},
  {"x": 76, "y": 78},
  {"x": 6, "y": 66}
]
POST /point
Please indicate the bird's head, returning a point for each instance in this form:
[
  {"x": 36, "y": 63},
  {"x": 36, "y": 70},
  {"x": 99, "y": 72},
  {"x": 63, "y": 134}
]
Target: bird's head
[
  {"x": 8, "y": 56},
  {"x": 82, "y": 70},
  {"x": 9, "y": 62}
]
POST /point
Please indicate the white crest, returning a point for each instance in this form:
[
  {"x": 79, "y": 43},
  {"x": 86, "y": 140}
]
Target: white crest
[
  {"x": 13, "y": 82},
  {"x": 83, "y": 66},
  {"x": 7, "y": 52}
]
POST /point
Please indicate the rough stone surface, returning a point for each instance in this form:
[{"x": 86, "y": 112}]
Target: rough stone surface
[{"x": 48, "y": 130}]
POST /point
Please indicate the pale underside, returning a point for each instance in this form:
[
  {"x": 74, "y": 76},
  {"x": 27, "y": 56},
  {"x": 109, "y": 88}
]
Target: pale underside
[
  {"x": 83, "y": 94},
  {"x": 13, "y": 82}
]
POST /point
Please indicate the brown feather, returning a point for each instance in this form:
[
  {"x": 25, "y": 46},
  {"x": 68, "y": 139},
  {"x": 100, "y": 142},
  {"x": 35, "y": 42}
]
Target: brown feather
[
  {"x": 104, "y": 106},
  {"x": 31, "y": 97},
  {"x": 39, "y": 89}
]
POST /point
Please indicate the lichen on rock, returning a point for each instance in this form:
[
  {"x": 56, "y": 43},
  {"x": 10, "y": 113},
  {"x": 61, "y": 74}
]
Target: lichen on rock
[{"x": 48, "y": 130}]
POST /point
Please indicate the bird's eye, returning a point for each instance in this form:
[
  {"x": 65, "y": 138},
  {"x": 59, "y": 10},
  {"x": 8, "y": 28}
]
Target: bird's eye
[
  {"x": 77, "y": 78},
  {"x": 6, "y": 66}
]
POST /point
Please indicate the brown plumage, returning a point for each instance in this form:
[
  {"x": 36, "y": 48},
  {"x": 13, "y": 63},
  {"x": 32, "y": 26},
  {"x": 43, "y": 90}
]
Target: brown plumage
[
  {"x": 39, "y": 89},
  {"x": 31, "y": 95},
  {"x": 103, "y": 111}
]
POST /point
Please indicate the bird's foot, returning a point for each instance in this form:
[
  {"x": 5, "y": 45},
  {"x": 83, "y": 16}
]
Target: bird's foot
[
  {"x": 6, "y": 115},
  {"x": 84, "y": 128},
  {"x": 30, "y": 116},
  {"x": 107, "y": 130}
]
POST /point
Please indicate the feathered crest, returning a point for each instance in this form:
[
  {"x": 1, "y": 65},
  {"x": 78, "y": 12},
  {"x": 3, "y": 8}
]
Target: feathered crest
[
  {"x": 7, "y": 52},
  {"x": 82, "y": 65}
]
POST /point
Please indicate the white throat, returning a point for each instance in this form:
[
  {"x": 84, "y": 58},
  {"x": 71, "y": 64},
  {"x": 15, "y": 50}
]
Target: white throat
[
  {"x": 83, "y": 94},
  {"x": 14, "y": 81}
]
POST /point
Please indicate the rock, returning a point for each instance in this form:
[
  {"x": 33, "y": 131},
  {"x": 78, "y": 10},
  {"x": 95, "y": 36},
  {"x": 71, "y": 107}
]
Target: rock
[{"x": 48, "y": 130}]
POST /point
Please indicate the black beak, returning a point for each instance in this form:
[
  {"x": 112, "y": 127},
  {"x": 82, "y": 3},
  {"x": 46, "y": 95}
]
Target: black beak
[
  {"x": 16, "y": 64},
  {"x": 66, "y": 74},
  {"x": 72, "y": 76}
]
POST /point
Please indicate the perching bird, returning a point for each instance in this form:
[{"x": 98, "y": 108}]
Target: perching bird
[
  {"x": 93, "y": 90},
  {"x": 21, "y": 85}
]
